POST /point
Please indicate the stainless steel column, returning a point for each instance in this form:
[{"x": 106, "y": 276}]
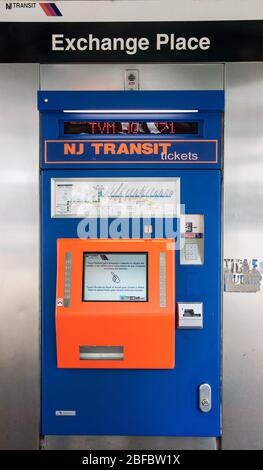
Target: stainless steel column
[
  {"x": 19, "y": 257},
  {"x": 243, "y": 313}
]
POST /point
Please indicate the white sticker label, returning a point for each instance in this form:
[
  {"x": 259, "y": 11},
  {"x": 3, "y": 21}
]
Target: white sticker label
[
  {"x": 65, "y": 413},
  {"x": 133, "y": 197}
]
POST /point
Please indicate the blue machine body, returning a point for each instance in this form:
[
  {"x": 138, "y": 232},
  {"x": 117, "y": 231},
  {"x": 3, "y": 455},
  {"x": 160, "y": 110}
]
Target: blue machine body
[{"x": 137, "y": 402}]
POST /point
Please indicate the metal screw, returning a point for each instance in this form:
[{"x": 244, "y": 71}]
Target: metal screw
[
  {"x": 205, "y": 402},
  {"x": 46, "y": 100}
]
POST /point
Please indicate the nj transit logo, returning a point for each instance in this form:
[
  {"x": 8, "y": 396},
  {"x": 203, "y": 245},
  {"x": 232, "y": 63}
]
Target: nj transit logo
[
  {"x": 120, "y": 148},
  {"x": 50, "y": 9},
  {"x": 130, "y": 151},
  {"x": 73, "y": 149}
]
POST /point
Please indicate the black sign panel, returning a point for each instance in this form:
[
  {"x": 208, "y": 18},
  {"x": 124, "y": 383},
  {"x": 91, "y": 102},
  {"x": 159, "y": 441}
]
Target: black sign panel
[{"x": 205, "y": 41}]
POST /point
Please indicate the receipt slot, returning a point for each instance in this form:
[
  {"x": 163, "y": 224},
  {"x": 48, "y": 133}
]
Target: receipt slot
[
  {"x": 115, "y": 305},
  {"x": 131, "y": 262}
]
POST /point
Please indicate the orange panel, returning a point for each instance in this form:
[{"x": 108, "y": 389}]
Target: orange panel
[{"x": 145, "y": 330}]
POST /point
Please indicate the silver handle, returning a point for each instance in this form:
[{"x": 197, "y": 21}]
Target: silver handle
[{"x": 205, "y": 403}]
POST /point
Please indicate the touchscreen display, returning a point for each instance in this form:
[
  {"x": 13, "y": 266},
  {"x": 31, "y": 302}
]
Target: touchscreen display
[{"x": 116, "y": 277}]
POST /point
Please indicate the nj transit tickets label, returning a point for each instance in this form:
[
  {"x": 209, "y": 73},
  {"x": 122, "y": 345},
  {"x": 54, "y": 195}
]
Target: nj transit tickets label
[{"x": 136, "y": 151}]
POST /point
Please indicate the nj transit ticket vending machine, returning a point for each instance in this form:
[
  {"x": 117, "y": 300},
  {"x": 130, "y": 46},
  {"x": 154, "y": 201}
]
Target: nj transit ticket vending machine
[{"x": 131, "y": 262}]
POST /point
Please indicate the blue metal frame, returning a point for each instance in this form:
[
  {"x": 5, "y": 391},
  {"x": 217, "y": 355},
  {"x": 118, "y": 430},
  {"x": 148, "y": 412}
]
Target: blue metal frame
[
  {"x": 139, "y": 402},
  {"x": 52, "y": 115},
  {"x": 67, "y": 100}
]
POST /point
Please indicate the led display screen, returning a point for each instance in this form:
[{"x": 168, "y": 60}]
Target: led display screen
[
  {"x": 130, "y": 127},
  {"x": 116, "y": 277}
]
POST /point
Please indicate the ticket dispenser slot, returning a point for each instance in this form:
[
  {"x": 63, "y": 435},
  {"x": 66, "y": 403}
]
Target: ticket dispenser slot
[{"x": 115, "y": 303}]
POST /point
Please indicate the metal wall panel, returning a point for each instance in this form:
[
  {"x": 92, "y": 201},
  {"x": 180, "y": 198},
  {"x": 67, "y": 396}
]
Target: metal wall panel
[
  {"x": 243, "y": 312},
  {"x": 128, "y": 443},
  {"x": 151, "y": 76},
  {"x": 19, "y": 255}
]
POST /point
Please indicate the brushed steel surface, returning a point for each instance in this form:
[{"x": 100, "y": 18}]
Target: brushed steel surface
[
  {"x": 101, "y": 352},
  {"x": 151, "y": 76},
  {"x": 243, "y": 236},
  {"x": 128, "y": 443},
  {"x": 19, "y": 256}
]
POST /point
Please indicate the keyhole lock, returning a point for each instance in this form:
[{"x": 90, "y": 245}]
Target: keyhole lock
[{"x": 205, "y": 402}]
